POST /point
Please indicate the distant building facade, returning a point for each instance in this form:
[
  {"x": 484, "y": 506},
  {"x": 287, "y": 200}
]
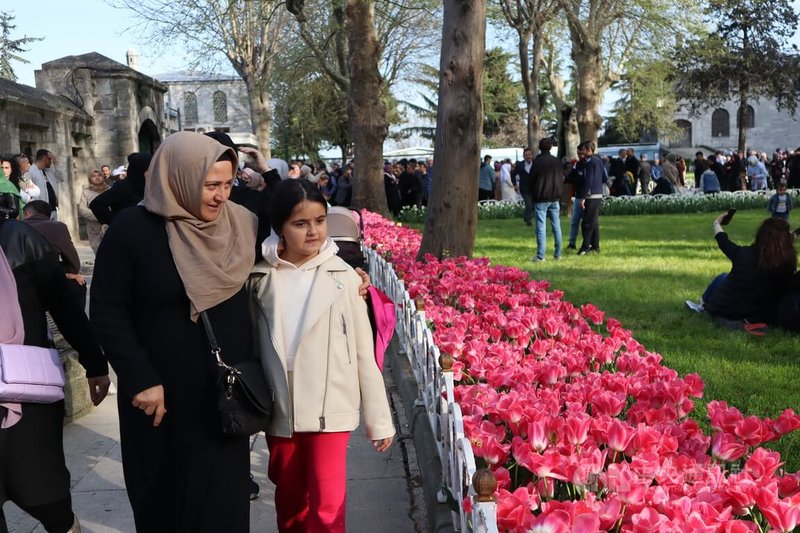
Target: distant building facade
[
  {"x": 89, "y": 110},
  {"x": 204, "y": 102},
  {"x": 718, "y": 128}
]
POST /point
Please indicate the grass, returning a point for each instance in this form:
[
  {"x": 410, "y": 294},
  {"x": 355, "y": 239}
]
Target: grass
[{"x": 648, "y": 266}]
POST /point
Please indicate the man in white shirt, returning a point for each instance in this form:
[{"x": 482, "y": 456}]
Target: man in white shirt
[{"x": 46, "y": 176}]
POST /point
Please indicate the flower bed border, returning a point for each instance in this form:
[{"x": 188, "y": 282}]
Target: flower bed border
[{"x": 628, "y": 205}]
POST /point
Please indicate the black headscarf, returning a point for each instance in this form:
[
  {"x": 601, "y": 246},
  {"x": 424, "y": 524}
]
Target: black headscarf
[{"x": 138, "y": 163}]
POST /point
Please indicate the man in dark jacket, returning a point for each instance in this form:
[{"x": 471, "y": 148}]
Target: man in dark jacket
[
  {"x": 632, "y": 166},
  {"x": 410, "y": 190},
  {"x": 794, "y": 170},
  {"x": 591, "y": 194},
  {"x": 547, "y": 188},
  {"x": 521, "y": 178},
  {"x": 37, "y": 215}
]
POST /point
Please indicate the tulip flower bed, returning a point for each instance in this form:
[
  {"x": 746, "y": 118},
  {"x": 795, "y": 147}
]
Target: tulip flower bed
[{"x": 584, "y": 428}]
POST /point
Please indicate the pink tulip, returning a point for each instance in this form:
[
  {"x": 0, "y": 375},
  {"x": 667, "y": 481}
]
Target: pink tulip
[
  {"x": 515, "y": 509},
  {"x": 591, "y": 312},
  {"x": 789, "y": 485},
  {"x": 649, "y": 521},
  {"x": 620, "y": 435},
  {"x": 576, "y": 428},
  {"x": 762, "y": 463},
  {"x": 741, "y": 493},
  {"x": 787, "y": 422},
  {"x": 538, "y": 434},
  {"x": 722, "y": 417},
  {"x": 629, "y": 487},
  {"x": 752, "y": 431},
  {"x": 725, "y": 447},
  {"x": 608, "y": 403},
  {"x": 739, "y": 526},
  {"x": 554, "y": 522},
  {"x": 783, "y": 515}
]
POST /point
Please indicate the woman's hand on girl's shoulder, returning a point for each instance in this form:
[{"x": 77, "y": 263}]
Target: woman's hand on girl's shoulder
[{"x": 381, "y": 445}]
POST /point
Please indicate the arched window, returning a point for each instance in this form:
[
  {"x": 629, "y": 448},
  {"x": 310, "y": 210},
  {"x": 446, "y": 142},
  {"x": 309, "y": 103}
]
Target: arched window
[
  {"x": 720, "y": 123},
  {"x": 683, "y": 136},
  {"x": 190, "y": 108},
  {"x": 220, "y": 107},
  {"x": 746, "y": 117}
]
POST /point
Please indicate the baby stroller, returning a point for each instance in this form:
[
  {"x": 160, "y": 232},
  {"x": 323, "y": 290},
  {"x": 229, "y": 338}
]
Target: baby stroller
[
  {"x": 346, "y": 228},
  {"x": 348, "y": 234}
]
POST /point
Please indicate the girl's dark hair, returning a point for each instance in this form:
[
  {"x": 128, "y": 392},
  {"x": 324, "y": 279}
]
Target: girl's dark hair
[
  {"x": 287, "y": 195},
  {"x": 775, "y": 246},
  {"x": 16, "y": 174}
]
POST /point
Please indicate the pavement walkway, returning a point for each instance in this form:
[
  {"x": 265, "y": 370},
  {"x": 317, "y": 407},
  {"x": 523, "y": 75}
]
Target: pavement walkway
[{"x": 383, "y": 490}]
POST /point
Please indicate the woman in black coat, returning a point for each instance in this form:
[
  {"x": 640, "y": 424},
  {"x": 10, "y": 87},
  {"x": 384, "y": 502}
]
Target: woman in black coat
[
  {"x": 760, "y": 273},
  {"x": 125, "y": 193},
  {"x": 33, "y": 473},
  {"x": 185, "y": 250}
]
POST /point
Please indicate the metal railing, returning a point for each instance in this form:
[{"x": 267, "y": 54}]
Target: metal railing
[{"x": 460, "y": 478}]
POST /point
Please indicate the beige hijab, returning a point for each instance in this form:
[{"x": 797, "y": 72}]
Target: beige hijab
[{"x": 213, "y": 258}]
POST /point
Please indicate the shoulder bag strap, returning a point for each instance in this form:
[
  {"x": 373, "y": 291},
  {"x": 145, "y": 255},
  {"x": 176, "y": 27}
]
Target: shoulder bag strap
[{"x": 212, "y": 339}]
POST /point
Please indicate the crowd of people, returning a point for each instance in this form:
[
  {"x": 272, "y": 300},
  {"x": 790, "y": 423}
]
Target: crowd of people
[
  {"x": 189, "y": 232},
  {"x": 407, "y": 183},
  {"x": 627, "y": 175}
]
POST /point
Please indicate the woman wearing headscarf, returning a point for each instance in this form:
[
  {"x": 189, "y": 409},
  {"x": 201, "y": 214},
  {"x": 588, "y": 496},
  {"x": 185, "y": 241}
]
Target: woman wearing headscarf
[
  {"x": 184, "y": 250},
  {"x": 8, "y": 189},
  {"x": 125, "y": 193},
  {"x": 94, "y": 228},
  {"x": 33, "y": 472}
]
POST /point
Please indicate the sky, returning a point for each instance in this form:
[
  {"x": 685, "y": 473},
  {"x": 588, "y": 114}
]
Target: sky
[{"x": 74, "y": 28}]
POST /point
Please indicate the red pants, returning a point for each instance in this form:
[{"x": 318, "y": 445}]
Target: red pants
[{"x": 309, "y": 472}]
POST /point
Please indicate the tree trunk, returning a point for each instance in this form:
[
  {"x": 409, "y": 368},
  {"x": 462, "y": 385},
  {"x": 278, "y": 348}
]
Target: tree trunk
[
  {"x": 535, "y": 110},
  {"x": 366, "y": 109},
  {"x": 452, "y": 212},
  {"x": 530, "y": 84},
  {"x": 260, "y": 114},
  {"x": 589, "y": 75},
  {"x": 741, "y": 119},
  {"x": 568, "y": 138}
]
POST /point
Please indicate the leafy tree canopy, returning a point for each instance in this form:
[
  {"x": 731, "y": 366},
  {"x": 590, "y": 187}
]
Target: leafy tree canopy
[
  {"x": 745, "y": 53},
  {"x": 10, "y": 49}
]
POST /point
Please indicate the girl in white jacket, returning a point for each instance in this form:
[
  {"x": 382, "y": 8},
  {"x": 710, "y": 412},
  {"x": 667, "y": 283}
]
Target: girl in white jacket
[{"x": 315, "y": 343}]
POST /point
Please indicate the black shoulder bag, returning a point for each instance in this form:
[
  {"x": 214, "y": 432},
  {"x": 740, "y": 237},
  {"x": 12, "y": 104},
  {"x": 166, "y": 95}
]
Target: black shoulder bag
[{"x": 245, "y": 400}]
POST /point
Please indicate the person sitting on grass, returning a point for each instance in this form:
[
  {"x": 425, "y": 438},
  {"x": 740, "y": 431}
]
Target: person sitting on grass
[{"x": 760, "y": 274}]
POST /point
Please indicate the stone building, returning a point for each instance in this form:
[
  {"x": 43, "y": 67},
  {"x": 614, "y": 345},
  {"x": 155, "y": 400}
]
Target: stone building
[
  {"x": 207, "y": 102},
  {"x": 768, "y": 127},
  {"x": 89, "y": 110}
]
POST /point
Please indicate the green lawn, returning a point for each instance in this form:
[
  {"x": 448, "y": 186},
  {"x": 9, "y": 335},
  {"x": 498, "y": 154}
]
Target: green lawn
[{"x": 649, "y": 265}]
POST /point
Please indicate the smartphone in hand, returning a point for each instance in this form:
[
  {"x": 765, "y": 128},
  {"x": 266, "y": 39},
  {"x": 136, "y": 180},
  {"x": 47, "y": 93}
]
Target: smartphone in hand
[{"x": 728, "y": 217}]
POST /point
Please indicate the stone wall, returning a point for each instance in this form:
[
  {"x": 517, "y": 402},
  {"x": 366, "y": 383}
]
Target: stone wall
[
  {"x": 89, "y": 111},
  {"x": 239, "y": 120},
  {"x": 31, "y": 119},
  {"x": 773, "y": 128}
]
